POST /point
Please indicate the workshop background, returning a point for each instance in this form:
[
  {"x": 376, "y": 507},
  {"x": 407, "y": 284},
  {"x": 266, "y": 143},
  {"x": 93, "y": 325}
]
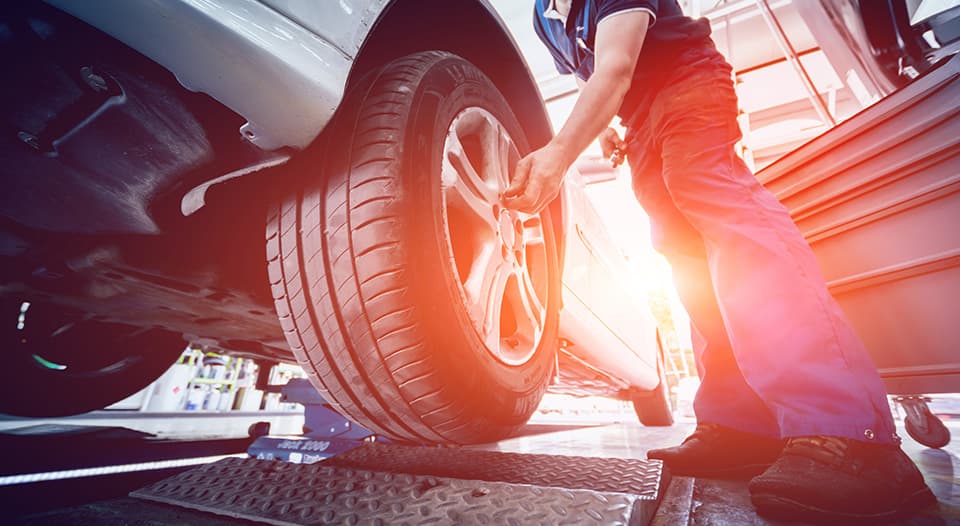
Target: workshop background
[{"x": 213, "y": 397}]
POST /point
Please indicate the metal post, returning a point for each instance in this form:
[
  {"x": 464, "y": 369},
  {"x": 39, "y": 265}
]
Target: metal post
[{"x": 791, "y": 55}]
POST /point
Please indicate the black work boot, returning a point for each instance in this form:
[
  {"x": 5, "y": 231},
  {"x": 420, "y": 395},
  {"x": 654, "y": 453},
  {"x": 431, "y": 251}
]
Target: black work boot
[
  {"x": 716, "y": 451},
  {"x": 840, "y": 480}
]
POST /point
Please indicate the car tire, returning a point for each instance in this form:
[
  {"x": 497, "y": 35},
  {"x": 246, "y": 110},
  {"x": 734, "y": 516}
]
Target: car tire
[
  {"x": 58, "y": 363},
  {"x": 418, "y": 306},
  {"x": 653, "y": 408}
]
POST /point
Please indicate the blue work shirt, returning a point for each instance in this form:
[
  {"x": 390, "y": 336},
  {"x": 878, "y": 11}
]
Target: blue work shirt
[{"x": 571, "y": 41}]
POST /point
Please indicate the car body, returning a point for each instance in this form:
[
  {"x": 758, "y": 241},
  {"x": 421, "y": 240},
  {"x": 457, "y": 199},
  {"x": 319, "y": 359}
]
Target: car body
[{"x": 149, "y": 142}]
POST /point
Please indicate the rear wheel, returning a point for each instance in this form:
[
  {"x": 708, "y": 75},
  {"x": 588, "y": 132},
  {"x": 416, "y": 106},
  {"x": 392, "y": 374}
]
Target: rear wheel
[
  {"x": 59, "y": 363},
  {"x": 420, "y": 307},
  {"x": 653, "y": 408},
  {"x": 921, "y": 424}
]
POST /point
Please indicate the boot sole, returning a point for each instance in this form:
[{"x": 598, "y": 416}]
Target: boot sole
[{"x": 782, "y": 508}]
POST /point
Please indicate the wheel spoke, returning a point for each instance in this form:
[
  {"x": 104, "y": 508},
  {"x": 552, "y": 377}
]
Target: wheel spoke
[
  {"x": 464, "y": 187},
  {"x": 530, "y": 314},
  {"x": 504, "y": 155},
  {"x": 482, "y": 186},
  {"x": 485, "y": 288}
]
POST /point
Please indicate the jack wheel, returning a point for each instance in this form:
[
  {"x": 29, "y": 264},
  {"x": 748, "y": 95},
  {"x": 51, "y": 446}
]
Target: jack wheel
[
  {"x": 922, "y": 425},
  {"x": 653, "y": 408}
]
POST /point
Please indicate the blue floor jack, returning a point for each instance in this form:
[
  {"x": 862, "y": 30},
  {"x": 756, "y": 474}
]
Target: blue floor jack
[{"x": 325, "y": 432}]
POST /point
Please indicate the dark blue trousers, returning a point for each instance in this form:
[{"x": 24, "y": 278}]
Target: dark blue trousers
[{"x": 777, "y": 355}]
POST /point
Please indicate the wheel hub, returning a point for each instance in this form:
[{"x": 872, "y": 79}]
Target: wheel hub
[{"x": 510, "y": 231}]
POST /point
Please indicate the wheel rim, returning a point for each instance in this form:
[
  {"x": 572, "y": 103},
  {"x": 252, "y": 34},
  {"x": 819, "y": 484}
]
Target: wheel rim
[{"x": 500, "y": 255}]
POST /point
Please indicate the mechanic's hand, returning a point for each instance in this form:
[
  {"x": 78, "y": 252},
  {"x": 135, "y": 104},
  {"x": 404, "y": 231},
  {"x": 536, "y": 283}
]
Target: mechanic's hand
[
  {"x": 536, "y": 179},
  {"x": 612, "y": 146}
]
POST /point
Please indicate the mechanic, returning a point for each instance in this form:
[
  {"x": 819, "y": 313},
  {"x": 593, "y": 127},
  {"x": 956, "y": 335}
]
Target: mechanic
[{"x": 788, "y": 390}]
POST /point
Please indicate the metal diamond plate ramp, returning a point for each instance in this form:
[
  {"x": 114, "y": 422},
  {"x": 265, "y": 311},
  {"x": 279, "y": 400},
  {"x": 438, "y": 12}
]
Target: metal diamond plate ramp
[
  {"x": 297, "y": 494},
  {"x": 643, "y": 478}
]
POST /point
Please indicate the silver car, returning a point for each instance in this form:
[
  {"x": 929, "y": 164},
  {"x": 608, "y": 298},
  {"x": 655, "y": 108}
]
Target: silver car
[{"x": 150, "y": 141}]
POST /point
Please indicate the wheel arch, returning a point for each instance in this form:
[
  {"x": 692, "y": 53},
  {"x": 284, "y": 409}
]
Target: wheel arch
[
  {"x": 473, "y": 30},
  {"x": 470, "y": 29}
]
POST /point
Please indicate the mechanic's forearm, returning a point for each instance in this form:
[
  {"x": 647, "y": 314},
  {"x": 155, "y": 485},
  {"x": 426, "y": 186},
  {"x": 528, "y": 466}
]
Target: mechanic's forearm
[{"x": 598, "y": 103}]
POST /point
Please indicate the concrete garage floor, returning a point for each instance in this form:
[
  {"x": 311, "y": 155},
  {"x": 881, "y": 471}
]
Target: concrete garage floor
[{"x": 705, "y": 502}]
